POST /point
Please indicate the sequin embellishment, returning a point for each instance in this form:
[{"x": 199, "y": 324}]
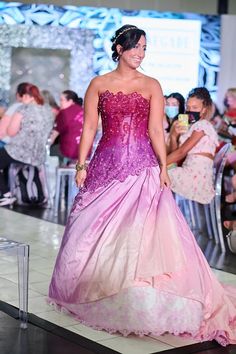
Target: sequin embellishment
[{"x": 125, "y": 147}]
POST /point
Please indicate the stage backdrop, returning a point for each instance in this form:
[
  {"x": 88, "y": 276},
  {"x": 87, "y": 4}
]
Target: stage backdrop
[{"x": 183, "y": 49}]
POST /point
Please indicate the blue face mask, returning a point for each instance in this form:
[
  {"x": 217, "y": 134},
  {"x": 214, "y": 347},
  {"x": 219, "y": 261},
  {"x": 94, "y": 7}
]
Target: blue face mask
[{"x": 171, "y": 111}]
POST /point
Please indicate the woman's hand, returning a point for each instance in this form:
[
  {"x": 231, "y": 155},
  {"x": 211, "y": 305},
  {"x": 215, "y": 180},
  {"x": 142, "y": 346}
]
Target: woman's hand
[
  {"x": 177, "y": 129},
  {"x": 80, "y": 178},
  {"x": 164, "y": 179}
]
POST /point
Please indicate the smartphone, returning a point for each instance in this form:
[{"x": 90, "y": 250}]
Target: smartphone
[{"x": 183, "y": 120}]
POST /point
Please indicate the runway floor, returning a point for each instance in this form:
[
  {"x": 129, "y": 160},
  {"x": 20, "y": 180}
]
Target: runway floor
[{"x": 50, "y": 331}]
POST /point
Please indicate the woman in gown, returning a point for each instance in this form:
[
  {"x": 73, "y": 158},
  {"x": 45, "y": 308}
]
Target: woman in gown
[{"x": 128, "y": 261}]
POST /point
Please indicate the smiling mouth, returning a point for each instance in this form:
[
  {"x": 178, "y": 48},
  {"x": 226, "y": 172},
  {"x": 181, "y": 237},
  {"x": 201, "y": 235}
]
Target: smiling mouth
[{"x": 137, "y": 60}]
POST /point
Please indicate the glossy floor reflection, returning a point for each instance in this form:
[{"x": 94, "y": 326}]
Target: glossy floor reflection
[
  {"x": 42, "y": 338},
  {"x": 44, "y": 238}
]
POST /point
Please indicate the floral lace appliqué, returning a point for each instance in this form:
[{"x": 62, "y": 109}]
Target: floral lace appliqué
[{"x": 125, "y": 148}]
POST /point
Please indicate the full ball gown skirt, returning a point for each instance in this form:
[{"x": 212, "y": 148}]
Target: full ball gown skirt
[{"x": 128, "y": 261}]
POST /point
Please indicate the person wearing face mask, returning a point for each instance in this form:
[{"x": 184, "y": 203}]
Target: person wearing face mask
[
  {"x": 196, "y": 146},
  {"x": 171, "y": 111},
  {"x": 175, "y": 104}
]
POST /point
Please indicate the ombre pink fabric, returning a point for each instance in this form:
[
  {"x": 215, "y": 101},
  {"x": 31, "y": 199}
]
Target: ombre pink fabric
[
  {"x": 125, "y": 148},
  {"x": 128, "y": 261}
]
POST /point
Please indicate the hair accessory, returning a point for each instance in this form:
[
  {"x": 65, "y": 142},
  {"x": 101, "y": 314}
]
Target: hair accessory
[{"x": 122, "y": 32}]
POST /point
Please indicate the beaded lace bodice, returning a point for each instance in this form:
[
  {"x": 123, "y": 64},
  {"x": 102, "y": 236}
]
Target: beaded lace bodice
[{"x": 125, "y": 147}]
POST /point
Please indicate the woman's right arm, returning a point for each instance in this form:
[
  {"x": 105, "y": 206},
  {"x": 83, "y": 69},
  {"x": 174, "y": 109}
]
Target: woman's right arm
[
  {"x": 180, "y": 153},
  {"x": 15, "y": 124},
  {"x": 4, "y": 123},
  {"x": 175, "y": 132},
  {"x": 90, "y": 121},
  {"x": 89, "y": 128},
  {"x": 53, "y": 135}
]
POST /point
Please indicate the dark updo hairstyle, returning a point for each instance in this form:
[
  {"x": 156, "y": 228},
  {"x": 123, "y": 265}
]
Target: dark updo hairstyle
[
  {"x": 202, "y": 94},
  {"x": 127, "y": 36},
  {"x": 34, "y": 92},
  {"x": 180, "y": 99},
  {"x": 71, "y": 95},
  {"x": 21, "y": 88}
]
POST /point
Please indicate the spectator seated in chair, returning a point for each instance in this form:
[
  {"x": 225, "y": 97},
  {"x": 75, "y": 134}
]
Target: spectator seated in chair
[
  {"x": 29, "y": 129},
  {"x": 68, "y": 125},
  {"x": 6, "y": 117},
  {"x": 196, "y": 144}
]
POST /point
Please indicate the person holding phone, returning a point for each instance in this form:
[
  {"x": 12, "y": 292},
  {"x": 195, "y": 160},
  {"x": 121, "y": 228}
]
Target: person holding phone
[{"x": 195, "y": 144}]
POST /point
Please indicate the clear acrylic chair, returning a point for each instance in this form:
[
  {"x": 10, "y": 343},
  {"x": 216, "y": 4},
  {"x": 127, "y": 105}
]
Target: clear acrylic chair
[
  {"x": 212, "y": 211},
  {"x": 215, "y": 206},
  {"x": 65, "y": 174},
  {"x": 21, "y": 250}
]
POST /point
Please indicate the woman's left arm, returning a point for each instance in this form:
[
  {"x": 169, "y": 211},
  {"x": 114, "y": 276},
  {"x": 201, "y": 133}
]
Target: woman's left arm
[
  {"x": 15, "y": 124},
  {"x": 156, "y": 130},
  {"x": 182, "y": 151}
]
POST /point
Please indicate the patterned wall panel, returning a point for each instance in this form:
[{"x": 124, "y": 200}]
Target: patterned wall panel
[
  {"x": 103, "y": 22},
  {"x": 49, "y": 69},
  {"x": 78, "y": 41}
]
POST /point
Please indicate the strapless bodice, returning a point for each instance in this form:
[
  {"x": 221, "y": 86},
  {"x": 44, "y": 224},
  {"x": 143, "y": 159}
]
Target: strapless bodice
[
  {"x": 125, "y": 148},
  {"x": 124, "y": 118}
]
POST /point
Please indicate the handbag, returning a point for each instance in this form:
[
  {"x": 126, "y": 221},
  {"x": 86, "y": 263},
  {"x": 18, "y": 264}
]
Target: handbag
[{"x": 28, "y": 188}]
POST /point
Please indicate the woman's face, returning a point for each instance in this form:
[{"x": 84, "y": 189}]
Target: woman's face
[
  {"x": 173, "y": 102},
  {"x": 231, "y": 100},
  {"x": 194, "y": 104},
  {"x": 18, "y": 97},
  {"x": 171, "y": 107},
  {"x": 134, "y": 56},
  {"x": 27, "y": 99},
  {"x": 64, "y": 102}
]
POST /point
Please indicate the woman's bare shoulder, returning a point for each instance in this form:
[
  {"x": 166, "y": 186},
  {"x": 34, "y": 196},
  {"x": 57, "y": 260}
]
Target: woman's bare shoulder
[
  {"x": 99, "y": 82},
  {"x": 152, "y": 83},
  {"x": 152, "y": 86}
]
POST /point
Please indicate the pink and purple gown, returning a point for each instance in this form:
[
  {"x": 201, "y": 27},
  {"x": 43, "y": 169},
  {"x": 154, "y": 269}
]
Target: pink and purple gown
[{"x": 128, "y": 261}]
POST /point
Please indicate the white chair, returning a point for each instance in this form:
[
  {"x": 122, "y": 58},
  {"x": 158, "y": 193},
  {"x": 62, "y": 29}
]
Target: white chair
[{"x": 21, "y": 250}]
